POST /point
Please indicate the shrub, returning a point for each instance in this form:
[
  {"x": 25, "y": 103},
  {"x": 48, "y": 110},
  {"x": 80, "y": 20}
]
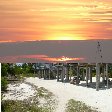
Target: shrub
[
  {"x": 77, "y": 106},
  {"x": 3, "y": 83}
]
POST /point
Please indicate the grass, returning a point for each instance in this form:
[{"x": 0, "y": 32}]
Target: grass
[
  {"x": 44, "y": 93},
  {"x": 22, "y": 106},
  {"x": 21, "y": 76},
  {"x": 32, "y": 104},
  {"x": 77, "y": 106},
  {"x": 48, "y": 98},
  {"x": 18, "y": 106}
]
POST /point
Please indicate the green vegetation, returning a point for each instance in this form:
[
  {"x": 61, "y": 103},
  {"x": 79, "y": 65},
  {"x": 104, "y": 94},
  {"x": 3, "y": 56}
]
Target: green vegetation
[
  {"x": 3, "y": 83},
  {"x": 71, "y": 72},
  {"x": 77, "y": 106},
  {"x": 21, "y": 106},
  {"x": 14, "y": 71},
  {"x": 42, "y": 101},
  {"x": 42, "y": 92},
  {"x": 21, "y": 76},
  {"x": 110, "y": 70},
  {"x": 47, "y": 100},
  {"x": 4, "y": 69}
]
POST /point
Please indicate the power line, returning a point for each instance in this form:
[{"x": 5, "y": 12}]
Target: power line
[{"x": 99, "y": 56}]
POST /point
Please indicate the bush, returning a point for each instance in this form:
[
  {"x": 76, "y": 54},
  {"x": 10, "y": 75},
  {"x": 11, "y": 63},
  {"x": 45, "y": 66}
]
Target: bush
[
  {"x": 77, "y": 106},
  {"x": 4, "y": 84},
  {"x": 4, "y": 68},
  {"x": 27, "y": 75},
  {"x": 110, "y": 75}
]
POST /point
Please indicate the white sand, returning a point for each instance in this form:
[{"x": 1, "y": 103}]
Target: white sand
[
  {"x": 19, "y": 91},
  {"x": 64, "y": 91}
]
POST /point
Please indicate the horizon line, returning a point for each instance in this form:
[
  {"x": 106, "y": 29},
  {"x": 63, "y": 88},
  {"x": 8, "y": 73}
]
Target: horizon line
[{"x": 10, "y": 41}]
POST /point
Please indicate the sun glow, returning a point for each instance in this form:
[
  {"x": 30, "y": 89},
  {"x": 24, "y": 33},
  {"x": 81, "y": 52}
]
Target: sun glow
[
  {"x": 63, "y": 38},
  {"x": 72, "y": 38},
  {"x": 40, "y": 58},
  {"x": 63, "y": 58},
  {"x": 67, "y": 37}
]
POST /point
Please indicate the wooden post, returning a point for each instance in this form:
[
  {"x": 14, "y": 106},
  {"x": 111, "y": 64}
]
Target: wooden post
[
  {"x": 67, "y": 75},
  {"x": 39, "y": 73},
  {"x": 62, "y": 74},
  {"x": 83, "y": 75},
  {"x": 70, "y": 69},
  {"x": 49, "y": 74},
  {"x": 90, "y": 74},
  {"x": 97, "y": 76},
  {"x": 103, "y": 74},
  {"x": 107, "y": 77},
  {"x": 34, "y": 69},
  {"x": 86, "y": 76},
  {"x": 57, "y": 74},
  {"x": 77, "y": 80},
  {"x": 44, "y": 73}
]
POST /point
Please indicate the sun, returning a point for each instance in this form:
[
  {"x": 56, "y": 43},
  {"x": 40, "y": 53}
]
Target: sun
[
  {"x": 68, "y": 38},
  {"x": 64, "y": 38}
]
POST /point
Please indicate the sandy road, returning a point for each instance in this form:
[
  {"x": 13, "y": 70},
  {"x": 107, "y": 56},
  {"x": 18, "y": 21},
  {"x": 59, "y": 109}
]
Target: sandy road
[{"x": 64, "y": 91}]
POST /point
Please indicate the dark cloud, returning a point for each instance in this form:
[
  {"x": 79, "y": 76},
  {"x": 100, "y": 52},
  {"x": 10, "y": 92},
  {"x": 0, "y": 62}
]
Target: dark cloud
[{"x": 55, "y": 49}]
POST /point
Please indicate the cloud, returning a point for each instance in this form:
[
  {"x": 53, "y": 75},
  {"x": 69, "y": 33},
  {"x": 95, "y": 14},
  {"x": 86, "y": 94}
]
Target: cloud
[
  {"x": 41, "y": 20},
  {"x": 102, "y": 12},
  {"x": 54, "y": 51},
  {"x": 37, "y": 58},
  {"x": 98, "y": 20}
]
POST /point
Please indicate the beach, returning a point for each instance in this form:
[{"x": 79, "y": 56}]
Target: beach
[{"x": 100, "y": 100}]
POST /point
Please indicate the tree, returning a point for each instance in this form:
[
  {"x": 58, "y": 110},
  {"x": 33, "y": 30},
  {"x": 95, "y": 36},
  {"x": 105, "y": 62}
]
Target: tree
[
  {"x": 17, "y": 70},
  {"x": 3, "y": 83},
  {"x": 4, "y": 69},
  {"x": 4, "y": 74},
  {"x": 28, "y": 67}
]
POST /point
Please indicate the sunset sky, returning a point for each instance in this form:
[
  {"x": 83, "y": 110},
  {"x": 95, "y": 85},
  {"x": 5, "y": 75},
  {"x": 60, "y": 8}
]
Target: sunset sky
[{"x": 30, "y": 20}]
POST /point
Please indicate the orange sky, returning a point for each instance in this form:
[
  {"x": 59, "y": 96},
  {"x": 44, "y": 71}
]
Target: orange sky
[{"x": 29, "y": 20}]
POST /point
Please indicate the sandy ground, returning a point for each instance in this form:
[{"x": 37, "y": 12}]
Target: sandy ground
[
  {"x": 102, "y": 100},
  {"x": 19, "y": 91}
]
